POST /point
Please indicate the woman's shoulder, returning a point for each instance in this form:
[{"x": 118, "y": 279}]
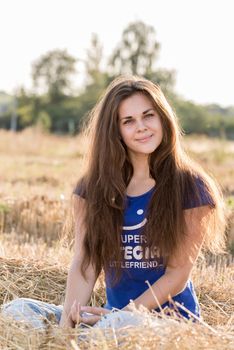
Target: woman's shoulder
[{"x": 198, "y": 193}]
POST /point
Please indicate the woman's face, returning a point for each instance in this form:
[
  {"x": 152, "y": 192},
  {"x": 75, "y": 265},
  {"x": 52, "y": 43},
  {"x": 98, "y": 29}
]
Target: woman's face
[{"x": 139, "y": 125}]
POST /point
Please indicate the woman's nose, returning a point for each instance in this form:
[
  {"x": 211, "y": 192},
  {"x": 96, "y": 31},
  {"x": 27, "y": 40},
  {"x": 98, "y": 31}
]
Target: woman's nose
[{"x": 141, "y": 125}]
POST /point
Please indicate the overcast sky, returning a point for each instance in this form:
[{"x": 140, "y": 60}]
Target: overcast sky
[{"x": 196, "y": 38}]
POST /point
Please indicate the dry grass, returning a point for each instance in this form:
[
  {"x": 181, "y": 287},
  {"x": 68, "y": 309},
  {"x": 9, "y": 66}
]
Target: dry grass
[
  {"x": 215, "y": 289},
  {"x": 216, "y": 156},
  {"x": 38, "y": 173},
  {"x": 46, "y": 282},
  {"x": 38, "y": 216},
  {"x": 168, "y": 334},
  {"x": 39, "y": 280}
]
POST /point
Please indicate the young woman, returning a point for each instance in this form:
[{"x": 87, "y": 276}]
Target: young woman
[{"x": 143, "y": 209}]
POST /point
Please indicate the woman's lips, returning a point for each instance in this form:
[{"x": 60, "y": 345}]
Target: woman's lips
[{"x": 145, "y": 139}]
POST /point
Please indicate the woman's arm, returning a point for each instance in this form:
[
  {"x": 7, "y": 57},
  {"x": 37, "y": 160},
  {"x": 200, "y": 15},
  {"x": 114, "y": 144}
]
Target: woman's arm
[
  {"x": 78, "y": 289},
  {"x": 180, "y": 265}
]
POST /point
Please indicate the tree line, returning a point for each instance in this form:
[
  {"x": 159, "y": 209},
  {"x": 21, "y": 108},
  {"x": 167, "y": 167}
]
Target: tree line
[{"x": 56, "y": 106}]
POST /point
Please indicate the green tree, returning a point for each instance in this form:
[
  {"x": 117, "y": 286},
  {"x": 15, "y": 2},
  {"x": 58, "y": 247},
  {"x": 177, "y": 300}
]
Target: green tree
[
  {"x": 137, "y": 50},
  {"x": 194, "y": 118},
  {"x": 93, "y": 62},
  {"x": 44, "y": 121},
  {"x": 137, "y": 53},
  {"x": 52, "y": 74},
  {"x": 25, "y": 108},
  {"x": 165, "y": 78},
  {"x": 96, "y": 78}
]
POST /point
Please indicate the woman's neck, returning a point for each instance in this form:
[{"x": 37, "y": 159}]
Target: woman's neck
[
  {"x": 141, "y": 180},
  {"x": 141, "y": 170}
]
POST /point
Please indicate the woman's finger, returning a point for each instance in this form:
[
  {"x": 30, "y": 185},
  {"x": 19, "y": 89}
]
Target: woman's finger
[
  {"x": 95, "y": 310},
  {"x": 89, "y": 319},
  {"x": 75, "y": 312}
]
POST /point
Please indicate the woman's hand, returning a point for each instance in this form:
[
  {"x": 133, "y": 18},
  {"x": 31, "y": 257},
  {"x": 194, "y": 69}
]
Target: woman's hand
[
  {"x": 86, "y": 314},
  {"x": 74, "y": 314},
  {"x": 92, "y": 314}
]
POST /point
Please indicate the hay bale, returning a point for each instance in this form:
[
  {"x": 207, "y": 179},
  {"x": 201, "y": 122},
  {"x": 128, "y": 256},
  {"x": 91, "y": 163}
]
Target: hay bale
[
  {"x": 46, "y": 282},
  {"x": 214, "y": 285},
  {"x": 38, "y": 280},
  {"x": 168, "y": 334},
  {"x": 31, "y": 279}
]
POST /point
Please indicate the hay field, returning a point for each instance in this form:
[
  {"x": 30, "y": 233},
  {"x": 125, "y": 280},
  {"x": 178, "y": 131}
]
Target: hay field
[{"x": 37, "y": 175}]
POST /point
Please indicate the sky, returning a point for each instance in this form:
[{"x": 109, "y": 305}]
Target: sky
[{"x": 196, "y": 38}]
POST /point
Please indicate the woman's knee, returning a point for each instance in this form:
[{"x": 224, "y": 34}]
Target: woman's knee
[{"x": 24, "y": 309}]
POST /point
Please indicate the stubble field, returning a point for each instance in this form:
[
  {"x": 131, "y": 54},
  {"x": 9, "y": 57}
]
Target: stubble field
[{"x": 37, "y": 175}]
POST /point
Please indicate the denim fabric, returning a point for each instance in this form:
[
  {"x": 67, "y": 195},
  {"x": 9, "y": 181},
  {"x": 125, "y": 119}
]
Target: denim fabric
[
  {"x": 120, "y": 319},
  {"x": 36, "y": 313},
  {"x": 32, "y": 311}
]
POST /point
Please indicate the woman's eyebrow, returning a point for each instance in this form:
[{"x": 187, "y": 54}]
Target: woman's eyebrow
[{"x": 146, "y": 111}]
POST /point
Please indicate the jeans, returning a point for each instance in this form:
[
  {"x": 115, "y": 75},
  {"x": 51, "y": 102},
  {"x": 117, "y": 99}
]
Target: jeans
[{"x": 37, "y": 313}]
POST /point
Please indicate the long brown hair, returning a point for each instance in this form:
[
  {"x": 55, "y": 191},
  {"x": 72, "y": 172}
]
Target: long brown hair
[{"x": 109, "y": 172}]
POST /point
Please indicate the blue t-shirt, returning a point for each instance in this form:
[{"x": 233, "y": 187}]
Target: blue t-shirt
[{"x": 135, "y": 267}]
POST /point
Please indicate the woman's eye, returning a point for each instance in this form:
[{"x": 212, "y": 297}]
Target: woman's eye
[
  {"x": 149, "y": 115},
  {"x": 128, "y": 121}
]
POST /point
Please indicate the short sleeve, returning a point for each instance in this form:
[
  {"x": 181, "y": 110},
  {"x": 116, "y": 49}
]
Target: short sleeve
[
  {"x": 198, "y": 197},
  {"x": 80, "y": 189}
]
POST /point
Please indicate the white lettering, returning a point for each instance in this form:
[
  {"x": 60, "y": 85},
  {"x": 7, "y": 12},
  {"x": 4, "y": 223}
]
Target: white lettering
[
  {"x": 137, "y": 239},
  {"x": 135, "y": 264},
  {"x": 124, "y": 238},
  {"x": 128, "y": 253},
  {"x": 138, "y": 252}
]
